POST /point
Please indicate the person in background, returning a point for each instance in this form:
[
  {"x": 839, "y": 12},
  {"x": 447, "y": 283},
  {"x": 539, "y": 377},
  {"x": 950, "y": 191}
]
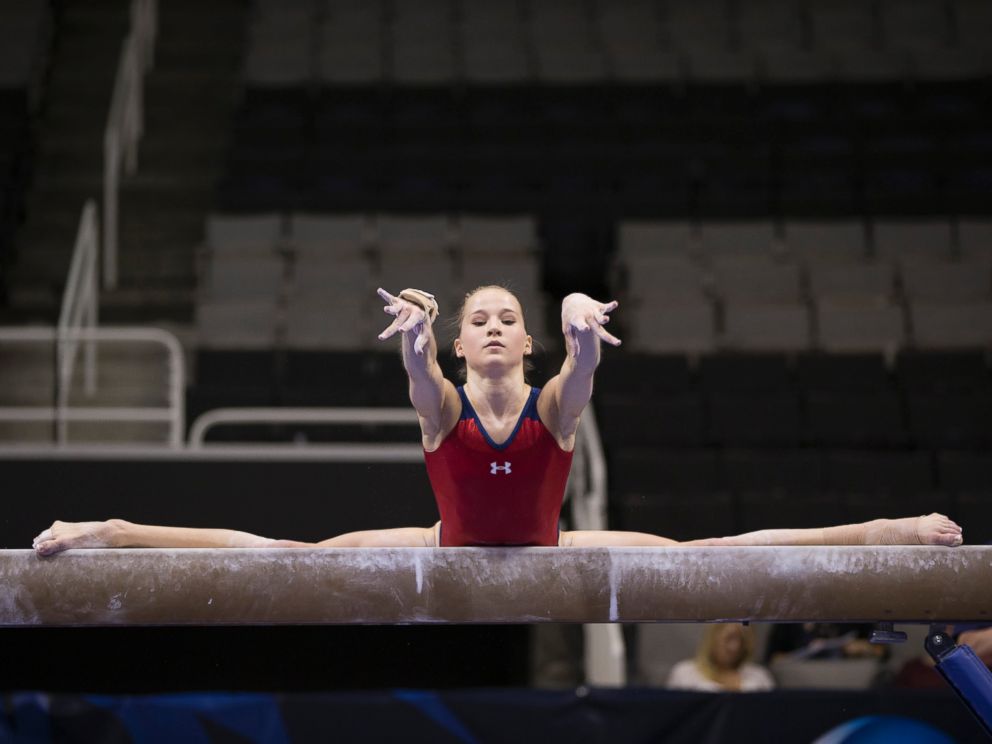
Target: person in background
[{"x": 722, "y": 663}]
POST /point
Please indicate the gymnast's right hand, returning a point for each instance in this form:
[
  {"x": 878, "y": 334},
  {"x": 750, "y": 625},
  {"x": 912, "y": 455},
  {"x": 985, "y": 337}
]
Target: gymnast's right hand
[
  {"x": 65, "y": 535},
  {"x": 409, "y": 317}
]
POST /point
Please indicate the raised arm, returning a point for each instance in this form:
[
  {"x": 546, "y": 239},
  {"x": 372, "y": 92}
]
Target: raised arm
[
  {"x": 434, "y": 398},
  {"x": 567, "y": 394}
]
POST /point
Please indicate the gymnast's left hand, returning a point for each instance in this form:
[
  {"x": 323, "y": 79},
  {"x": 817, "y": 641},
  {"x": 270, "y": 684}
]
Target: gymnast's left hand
[
  {"x": 65, "y": 535},
  {"x": 582, "y": 314}
]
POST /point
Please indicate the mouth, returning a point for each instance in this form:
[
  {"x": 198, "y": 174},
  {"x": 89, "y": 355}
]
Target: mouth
[{"x": 494, "y": 344}]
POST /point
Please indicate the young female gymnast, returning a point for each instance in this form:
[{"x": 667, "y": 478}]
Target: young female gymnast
[{"x": 497, "y": 450}]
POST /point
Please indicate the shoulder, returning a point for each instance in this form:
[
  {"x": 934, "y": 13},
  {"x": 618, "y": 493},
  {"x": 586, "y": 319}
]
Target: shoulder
[
  {"x": 756, "y": 677},
  {"x": 684, "y": 672}
]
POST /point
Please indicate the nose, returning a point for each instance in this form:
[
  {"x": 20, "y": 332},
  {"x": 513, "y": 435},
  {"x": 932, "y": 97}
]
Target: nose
[{"x": 494, "y": 328}]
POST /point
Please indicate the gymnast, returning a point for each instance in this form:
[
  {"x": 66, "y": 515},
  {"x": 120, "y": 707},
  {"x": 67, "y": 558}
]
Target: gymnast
[{"x": 497, "y": 450}]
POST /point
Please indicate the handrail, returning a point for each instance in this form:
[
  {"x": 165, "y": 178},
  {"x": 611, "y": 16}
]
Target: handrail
[
  {"x": 80, "y": 305},
  {"x": 345, "y": 415},
  {"x": 125, "y": 122},
  {"x": 339, "y": 452},
  {"x": 61, "y": 413}
]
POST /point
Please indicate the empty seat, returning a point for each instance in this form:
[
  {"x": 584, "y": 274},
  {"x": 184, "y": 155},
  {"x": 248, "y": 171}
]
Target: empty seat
[
  {"x": 398, "y": 236},
  {"x": 756, "y": 327},
  {"x": 908, "y": 240},
  {"x": 240, "y": 234},
  {"x": 741, "y": 373},
  {"x": 966, "y": 473},
  {"x": 852, "y": 283},
  {"x": 754, "y": 419},
  {"x": 749, "y": 279},
  {"x": 510, "y": 234},
  {"x": 865, "y": 373},
  {"x": 236, "y": 369},
  {"x": 671, "y": 238},
  {"x": 975, "y": 239},
  {"x": 826, "y": 242},
  {"x": 333, "y": 236},
  {"x": 432, "y": 274},
  {"x": 496, "y": 61},
  {"x": 668, "y": 279},
  {"x": 236, "y": 278},
  {"x": 840, "y": 26},
  {"x": 664, "y": 419},
  {"x": 920, "y": 25},
  {"x": 420, "y": 61},
  {"x": 855, "y": 419},
  {"x": 771, "y": 25},
  {"x": 657, "y": 472},
  {"x": 763, "y": 472},
  {"x": 947, "y": 282},
  {"x": 944, "y": 371},
  {"x": 860, "y": 328},
  {"x": 747, "y": 238},
  {"x": 895, "y": 473},
  {"x": 951, "y": 419},
  {"x": 660, "y": 327},
  {"x": 632, "y": 374},
  {"x": 951, "y": 326},
  {"x": 520, "y": 273},
  {"x": 236, "y": 325},
  {"x": 315, "y": 276},
  {"x": 333, "y": 323}
]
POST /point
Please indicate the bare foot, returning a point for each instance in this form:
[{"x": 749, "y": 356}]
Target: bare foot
[
  {"x": 65, "y": 535},
  {"x": 931, "y": 529}
]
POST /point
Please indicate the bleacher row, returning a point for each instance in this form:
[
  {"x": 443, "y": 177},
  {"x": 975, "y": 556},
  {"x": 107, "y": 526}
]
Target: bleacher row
[
  {"x": 920, "y": 399},
  {"x": 711, "y": 151},
  {"x": 749, "y": 286},
  {"x": 574, "y": 41},
  {"x": 309, "y": 281}
]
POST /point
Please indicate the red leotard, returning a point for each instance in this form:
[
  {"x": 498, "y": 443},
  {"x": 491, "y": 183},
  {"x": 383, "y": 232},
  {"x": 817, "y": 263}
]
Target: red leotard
[{"x": 508, "y": 494}]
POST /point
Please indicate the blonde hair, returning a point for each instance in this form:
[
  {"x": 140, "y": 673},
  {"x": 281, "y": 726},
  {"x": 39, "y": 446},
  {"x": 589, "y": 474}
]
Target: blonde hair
[{"x": 704, "y": 653}]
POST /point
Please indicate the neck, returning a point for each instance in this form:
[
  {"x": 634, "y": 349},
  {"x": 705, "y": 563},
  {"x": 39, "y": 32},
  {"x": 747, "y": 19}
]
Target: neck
[{"x": 499, "y": 395}]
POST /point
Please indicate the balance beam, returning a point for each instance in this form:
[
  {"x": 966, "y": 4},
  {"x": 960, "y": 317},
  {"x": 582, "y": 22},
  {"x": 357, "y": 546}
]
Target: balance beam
[{"x": 494, "y": 585}]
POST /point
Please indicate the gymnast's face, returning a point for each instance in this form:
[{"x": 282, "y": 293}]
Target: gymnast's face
[{"x": 492, "y": 332}]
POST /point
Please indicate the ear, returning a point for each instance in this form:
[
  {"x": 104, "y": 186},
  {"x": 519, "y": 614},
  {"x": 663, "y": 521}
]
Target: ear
[
  {"x": 529, "y": 347},
  {"x": 459, "y": 351}
]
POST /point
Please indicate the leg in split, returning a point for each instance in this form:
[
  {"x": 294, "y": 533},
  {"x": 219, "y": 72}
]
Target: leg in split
[
  {"x": 931, "y": 529},
  {"x": 118, "y": 533}
]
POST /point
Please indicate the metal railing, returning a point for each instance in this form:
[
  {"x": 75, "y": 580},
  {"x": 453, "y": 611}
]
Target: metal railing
[
  {"x": 62, "y": 413},
  {"x": 339, "y": 452},
  {"x": 80, "y": 307},
  {"x": 125, "y": 123}
]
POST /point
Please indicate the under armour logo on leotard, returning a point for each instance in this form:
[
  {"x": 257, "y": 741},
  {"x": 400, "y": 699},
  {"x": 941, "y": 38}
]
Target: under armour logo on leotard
[{"x": 494, "y": 468}]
